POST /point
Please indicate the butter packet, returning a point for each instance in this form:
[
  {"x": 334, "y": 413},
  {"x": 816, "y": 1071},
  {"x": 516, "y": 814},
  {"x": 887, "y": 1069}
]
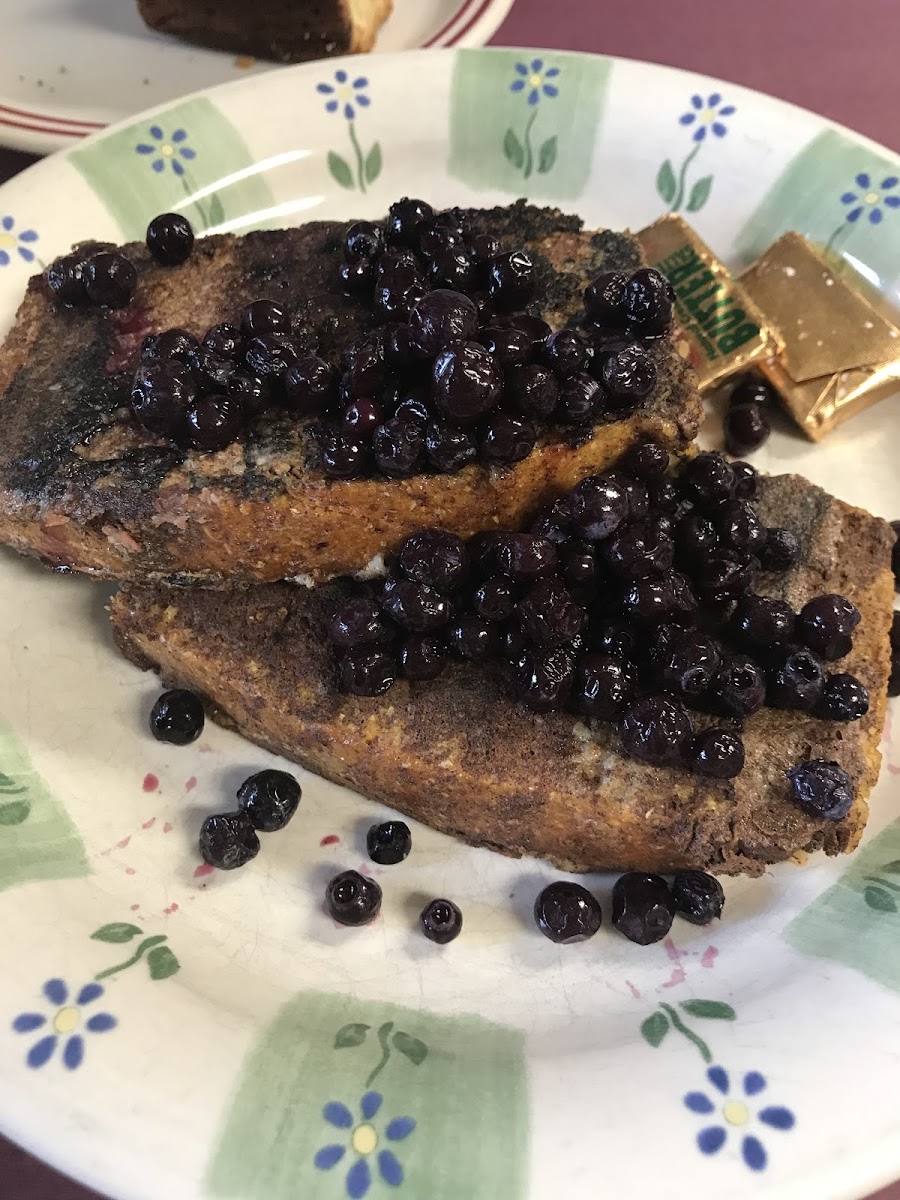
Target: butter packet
[
  {"x": 722, "y": 331},
  {"x": 841, "y": 348}
]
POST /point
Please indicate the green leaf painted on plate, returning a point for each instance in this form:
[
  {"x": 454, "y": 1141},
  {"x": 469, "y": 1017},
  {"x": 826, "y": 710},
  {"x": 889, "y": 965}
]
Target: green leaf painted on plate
[
  {"x": 891, "y": 868},
  {"x": 340, "y": 170},
  {"x": 880, "y": 900},
  {"x": 714, "y": 1009},
  {"x": 8, "y": 785},
  {"x": 547, "y": 154},
  {"x": 216, "y": 211},
  {"x": 655, "y": 1028},
  {"x": 414, "y": 1050},
  {"x": 162, "y": 963},
  {"x": 665, "y": 182},
  {"x": 15, "y": 812},
  {"x": 117, "y": 931},
  {"x": 513, "y": 149},
  {"x": 699, "y": 193},
  {"x": 373, "y": 163},
  {"x": 351, "y": 1035}
]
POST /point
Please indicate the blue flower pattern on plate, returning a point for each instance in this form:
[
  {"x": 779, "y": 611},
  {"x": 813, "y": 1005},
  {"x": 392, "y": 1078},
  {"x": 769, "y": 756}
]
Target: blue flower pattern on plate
[
  {"x": 364, "y": 1140},
  {"x": 871, "y": 197},
  {"x": 534, "y": 77},
  {"x": 65, "y": 1021},
  {"x": 707, "y": 115},
  {"x": 166, "y": 149},
  {"x": 20, "y": 241},
  {"x": 737, "y": 1112},
  {"x": 344, "y": 93}
]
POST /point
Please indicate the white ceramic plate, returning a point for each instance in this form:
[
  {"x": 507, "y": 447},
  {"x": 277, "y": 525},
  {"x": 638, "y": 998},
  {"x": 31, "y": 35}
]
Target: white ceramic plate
[
  {"x": 71, "y": 67},
  {"x": 168, "y": 1032}
]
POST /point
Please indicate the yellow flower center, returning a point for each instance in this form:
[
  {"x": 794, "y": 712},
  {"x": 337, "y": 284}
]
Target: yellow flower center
[
  {"x": 66, "y": 1020},
  {"x": 736, "y": 1113},
  {"x": 345, "y": 93},
  {"x": 364, "y": 1139},
  {"x": 7, "y": 241},
  {"x": 535, "y": 81},
  {"x": 166, "y": 150},
  {"x": 871, "y": 197}
]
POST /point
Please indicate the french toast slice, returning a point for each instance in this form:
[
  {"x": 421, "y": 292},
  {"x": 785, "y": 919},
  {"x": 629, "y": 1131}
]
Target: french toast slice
[
  {"x": 458, "y": 755},
  {"x": 83, "y": 486}
]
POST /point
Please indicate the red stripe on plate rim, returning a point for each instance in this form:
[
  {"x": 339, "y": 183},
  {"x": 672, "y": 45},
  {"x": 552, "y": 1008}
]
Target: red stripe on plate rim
[
  {"x": 50, "y": 130},
  {"x": 454, "y": 20},
  {"x": 44, "y": 119}
]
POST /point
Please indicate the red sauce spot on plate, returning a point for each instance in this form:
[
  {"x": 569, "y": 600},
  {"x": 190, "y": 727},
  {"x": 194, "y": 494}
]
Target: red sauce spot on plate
[
  {"x": 203, "y": 869},
  {"x": 151, "y": 782},
  {"x": 330, "y": 839}
]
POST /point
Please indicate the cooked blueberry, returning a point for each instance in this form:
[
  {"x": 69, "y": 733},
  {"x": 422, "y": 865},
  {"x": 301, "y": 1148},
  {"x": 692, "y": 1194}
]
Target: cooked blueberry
[
  {"x": 365, "y": 368},
  {"x": 366, "y": 671},
  {"x": 698, "y": 897},
  {"x": 249, "y": 391},
  {"x": 389, "y": 843},
  {"x": 270, "y": 355},
  {"x": 629, "y": 374},
  {"x": 533, "y": 390},
  {"x": 404, "y": 218},
  {"x": 599, "y": 505},
  {"x": 362, "y": 417},
  {"x": 548, "y": 614},
  {"x": 495, "y": 599},
  {"x": 707, "y": 479},
  {"x": 511, "y": 642},
  {"x": 684, "y": 604},
  {"x": 511, "y": 279},
  {"x": 649, "y": 601},
  {"x": 397, "y": 446},
  {"x": 638, "y": 550},
  {"x": 780, "y": 551},
  {"x": 648, "y": 302},
  {"x": 566, "y": 912},
  {"x": 578, "y": 399},
  {"x": 466, "y": 382},
  {"x": 398, "y": 292},
  {"x": 696, "y": 536},
  {"x": 353, "y": 899},
  {"x": 397, "y": 351},
  {"x": 542, "y": 679},
  {"x": 211, "y": 372},
  {"x": 472, "y": 638},
  {"x": 435, "y": 239},
  {"x": 161, "y": 394},
  {"x": 109, "y": 279},
  {"x": 214, "y": 422},
  {"x": 604, "y": 299},
  {"x": 637, "y": 494},
  {"x": 746, "y": 481},
  {"x": 654, "y": 729},
  {"x": 65, "y": 279},
  {"x": 643, "y": 907},
  {"x": 506, "y": 440},
  {"x": 414, "y": 407},
  {"x": 566, "y": 353},
  {"x": 822, "y": 789},
  {"x": 364, "y": 241},
  {"x": 357, "y": 278},
  {"x": 448, "y": 448},
  {"x": 578, "y": 565},
  {"x": 343, "y": 455},
  {"x": 422, "y": 657},
  {"x": 357, "y": 621},
  {"x": 725, "y": 573},
  {"x": 224, "y": 341},
  {"x": 894, "y": 633},
  {"x": 895, "y": 555},
  {"x": 526, "y": 557},
  {"x": 441, "y": 921},
  {"x": 685, "y": 662},
  {"x": 746, "y": 428},
  {"x": 844, "y": 698},
  {"x": 485, "y": 247},
  {"x": 269, "y": 798},
  {"x": 435, "y": 558},
  {"x": 264, "y": 317},
  {"x": 228, "y": 841},
  {"x": 536, "y": 328},
  {"x": 553, "y": 522},
  {"x": 738, "y": 689},
  {"x": 761, "y": 622},
  {"x": 415, "y": 606},
  {"x": 454, "y": 267},
  {"x": 604, "y": 686},
  {"x": 826, "y": 624},
  {"x": 894, "y": 679},
  {"x": 177, "y": 717},
  {"x": 612, "y": 637},
  {"x": 716, "y": 752},
  {"x": 646, "y": 461},
  {"x": 392, "y": 259},
  {"x": 664, "y": 496},
  {"x": 739, "y": 527},
  {"x": 170, "y": 239},
  {"x": 511, "y": 347},
  {"x": 797, "y": 681},
  {"x": 439, "y": 318},
  {"x": 753, "y": 389}
]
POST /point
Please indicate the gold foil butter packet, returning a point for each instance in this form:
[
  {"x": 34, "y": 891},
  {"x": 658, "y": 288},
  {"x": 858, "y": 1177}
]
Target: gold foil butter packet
[
  {"x": 841, "y": 350},
  {"x": 722, "y": 331}
]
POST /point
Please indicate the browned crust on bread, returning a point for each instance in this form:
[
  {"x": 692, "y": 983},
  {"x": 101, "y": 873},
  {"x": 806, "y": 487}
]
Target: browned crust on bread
[
  {"x": 82, "y": 486},
  {"x": 459, "y": 756}
]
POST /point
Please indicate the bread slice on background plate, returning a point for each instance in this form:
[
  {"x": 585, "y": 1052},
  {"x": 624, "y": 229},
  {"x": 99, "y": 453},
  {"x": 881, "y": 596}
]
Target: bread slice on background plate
[
  {"x": 459, "y": 756},
  {"x": 282, "y": 31},
  {"x": 83, "y": 486}
]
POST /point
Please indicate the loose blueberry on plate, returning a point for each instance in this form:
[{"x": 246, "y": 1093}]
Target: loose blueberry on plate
[
  {"x": 269, "y": 798},
  {"x": 352, "y": 899},
  {"x": 567, "y": 912},
  {"x": 441, "y": 921},
  {"x": 228, "y": 840},
  {"x": 177, "y": 717},
  {"x": 643, "y": 907},
  {"x": 699, "y": 897},
  {"x": 389, "y": 843}
]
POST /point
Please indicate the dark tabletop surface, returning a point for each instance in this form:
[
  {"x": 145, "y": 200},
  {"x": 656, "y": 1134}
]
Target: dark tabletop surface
[{"x": 817, "y": 53}]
